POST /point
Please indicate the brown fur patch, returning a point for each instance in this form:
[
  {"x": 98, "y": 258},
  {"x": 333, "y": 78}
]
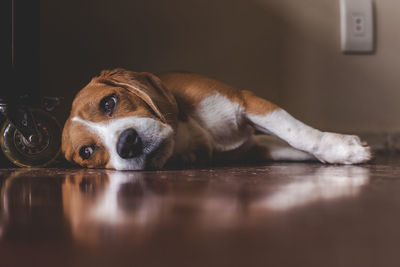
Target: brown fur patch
[
  {"x": 81, "y": 137},
  {"x": 257, "y": 105},
  {"x": 190, "y": 89}
]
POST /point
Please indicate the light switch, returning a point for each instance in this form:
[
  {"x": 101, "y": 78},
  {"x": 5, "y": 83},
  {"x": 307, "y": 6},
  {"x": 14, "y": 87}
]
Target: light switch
[{"x": 357, "y": 30}]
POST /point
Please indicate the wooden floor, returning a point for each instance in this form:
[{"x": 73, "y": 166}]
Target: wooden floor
[{"x": 281, "y": 214}]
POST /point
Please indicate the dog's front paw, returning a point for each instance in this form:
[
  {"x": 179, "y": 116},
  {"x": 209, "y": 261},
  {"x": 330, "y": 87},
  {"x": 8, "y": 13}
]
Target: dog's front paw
[{"x": 342, "y": 149}]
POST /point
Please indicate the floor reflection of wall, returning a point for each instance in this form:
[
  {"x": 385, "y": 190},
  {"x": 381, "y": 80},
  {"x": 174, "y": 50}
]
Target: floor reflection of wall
[{"x": 31, "y": 208}]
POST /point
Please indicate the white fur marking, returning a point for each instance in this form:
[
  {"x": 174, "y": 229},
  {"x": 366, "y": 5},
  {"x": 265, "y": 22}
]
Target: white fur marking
[
  {"x": 279, "y": 150},
  {"x": 150, "y": 131},
  {"x": 224, "y": 121},
  {"x": 327, "y": 147}
]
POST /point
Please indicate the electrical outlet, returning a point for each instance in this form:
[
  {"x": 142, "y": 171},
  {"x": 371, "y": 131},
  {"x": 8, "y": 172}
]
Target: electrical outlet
[
  {"x": 358, "y": 25},
  {"x": 357, "y": 33}
]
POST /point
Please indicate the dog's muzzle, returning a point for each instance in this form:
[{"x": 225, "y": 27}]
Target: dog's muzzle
[{"x": 129, "y": 144}]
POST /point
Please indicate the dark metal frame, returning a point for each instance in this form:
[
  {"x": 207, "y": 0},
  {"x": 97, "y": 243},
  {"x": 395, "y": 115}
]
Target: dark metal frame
[{"x": 20, "y": 64}]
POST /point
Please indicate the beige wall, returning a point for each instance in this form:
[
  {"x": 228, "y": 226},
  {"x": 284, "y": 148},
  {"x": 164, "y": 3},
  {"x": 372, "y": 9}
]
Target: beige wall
[{"x": 285, "y": 50}]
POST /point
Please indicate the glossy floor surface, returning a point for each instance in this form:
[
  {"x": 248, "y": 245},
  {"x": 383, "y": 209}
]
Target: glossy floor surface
[{"x": 278, "y": 214}]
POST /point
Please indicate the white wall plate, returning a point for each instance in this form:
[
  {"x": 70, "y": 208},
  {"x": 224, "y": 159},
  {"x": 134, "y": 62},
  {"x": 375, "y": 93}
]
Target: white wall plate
[{"x": 357, "y": 27}]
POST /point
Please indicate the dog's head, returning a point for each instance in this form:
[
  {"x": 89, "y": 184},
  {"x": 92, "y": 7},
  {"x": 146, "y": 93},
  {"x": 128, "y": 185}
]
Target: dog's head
[{"x": 121, "y": 120}]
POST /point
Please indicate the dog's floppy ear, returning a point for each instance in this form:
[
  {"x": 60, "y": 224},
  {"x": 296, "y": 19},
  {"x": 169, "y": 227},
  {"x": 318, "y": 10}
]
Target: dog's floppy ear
[{"x": 146, "y": 86}]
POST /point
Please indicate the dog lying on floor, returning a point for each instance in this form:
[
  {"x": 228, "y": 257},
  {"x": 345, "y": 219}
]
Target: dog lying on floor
[{"x": 128, "y": 120}]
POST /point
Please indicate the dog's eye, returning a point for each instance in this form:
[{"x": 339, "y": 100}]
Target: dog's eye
[
  {"x": 86, "y": 152},
  {"x": 108, "y": 104}
]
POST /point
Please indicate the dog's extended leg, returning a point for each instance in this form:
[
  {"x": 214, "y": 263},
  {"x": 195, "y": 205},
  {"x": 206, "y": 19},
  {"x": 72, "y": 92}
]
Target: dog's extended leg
[
  {"x": 325, "y": 146},
  {"x": 266, "y": 147}
]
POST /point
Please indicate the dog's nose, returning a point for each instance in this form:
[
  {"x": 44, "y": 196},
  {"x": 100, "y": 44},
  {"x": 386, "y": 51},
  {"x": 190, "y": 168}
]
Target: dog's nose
[{"x": 129, "y": 144}]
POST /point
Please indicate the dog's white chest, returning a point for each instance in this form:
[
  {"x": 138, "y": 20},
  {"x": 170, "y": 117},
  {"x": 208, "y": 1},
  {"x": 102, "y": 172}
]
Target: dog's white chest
[{"x": 217, "y": 125}]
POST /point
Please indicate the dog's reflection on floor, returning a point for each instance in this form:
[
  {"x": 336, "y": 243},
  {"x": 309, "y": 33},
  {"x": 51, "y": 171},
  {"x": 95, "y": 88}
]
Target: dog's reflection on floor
[
  {"x": 326, "y": 183},
  {"x": 118, "y": 200},
  {"x": 138, "y": 202},
  {"x": 97, "y": 205}
]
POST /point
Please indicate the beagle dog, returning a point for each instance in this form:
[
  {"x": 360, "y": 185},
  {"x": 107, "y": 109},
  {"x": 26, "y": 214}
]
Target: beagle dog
[{"x": 129, "y": 120}]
